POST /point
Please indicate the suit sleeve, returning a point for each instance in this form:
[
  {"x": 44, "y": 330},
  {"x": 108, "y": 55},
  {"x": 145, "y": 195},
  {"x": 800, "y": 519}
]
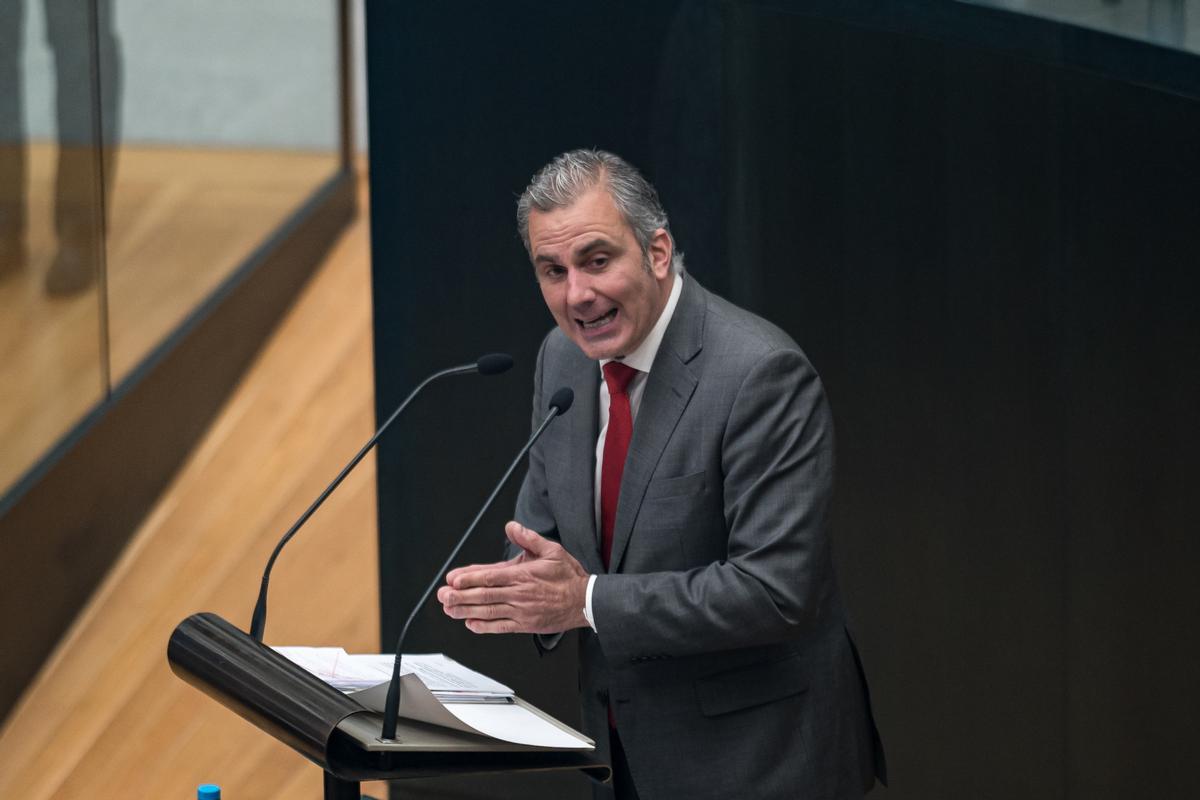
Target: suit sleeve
[
  {"x": 777, "y": 479},
  {"x": 533, "y": 505}
]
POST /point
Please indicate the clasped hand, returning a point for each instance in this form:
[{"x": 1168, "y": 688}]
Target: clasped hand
[{"x": 542, "y": 590}]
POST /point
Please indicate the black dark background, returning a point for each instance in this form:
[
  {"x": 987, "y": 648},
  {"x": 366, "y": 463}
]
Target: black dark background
[{"x": 989, "y": 252}]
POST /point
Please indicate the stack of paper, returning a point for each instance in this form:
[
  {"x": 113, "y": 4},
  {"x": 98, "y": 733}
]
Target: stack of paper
[
  {"x": 449, "y": 680},
  {"x": 440, "y": 691}
]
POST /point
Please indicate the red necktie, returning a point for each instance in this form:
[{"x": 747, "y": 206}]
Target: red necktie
[{"x": 616, "y": 445}]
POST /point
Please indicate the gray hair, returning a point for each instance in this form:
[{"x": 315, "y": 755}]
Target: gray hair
[{"x": 561, "y": 182}]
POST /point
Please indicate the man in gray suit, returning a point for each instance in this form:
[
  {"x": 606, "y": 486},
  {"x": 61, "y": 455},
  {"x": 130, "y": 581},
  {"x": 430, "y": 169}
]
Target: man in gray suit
[{"x": 677, "y": 516}]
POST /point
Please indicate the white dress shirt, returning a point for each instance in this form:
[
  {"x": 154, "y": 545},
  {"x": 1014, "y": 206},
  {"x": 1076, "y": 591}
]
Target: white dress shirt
[{"x": 641, "y": 359}]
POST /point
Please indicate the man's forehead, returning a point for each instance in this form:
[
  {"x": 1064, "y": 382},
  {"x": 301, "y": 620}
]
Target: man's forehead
[
  {"x": 591, "y": 221},
  {"x": 596, "y": 203}
]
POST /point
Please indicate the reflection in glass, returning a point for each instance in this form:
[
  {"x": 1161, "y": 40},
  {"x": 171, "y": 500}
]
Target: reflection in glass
[
  {"x": 229, "y": 123},
  {"x": 217, "y": 121},
  {"x": 51, "y": 353}
]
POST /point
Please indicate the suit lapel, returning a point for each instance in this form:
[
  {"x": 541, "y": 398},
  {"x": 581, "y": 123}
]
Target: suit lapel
[
  {"x": 579, "y": 532},
  {"x": 669, "y": 388}
]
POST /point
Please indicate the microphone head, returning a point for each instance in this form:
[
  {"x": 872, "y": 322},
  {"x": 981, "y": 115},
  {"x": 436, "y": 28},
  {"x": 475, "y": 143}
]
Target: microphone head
[
  {"x": 494, "y": 363},
  {"x": 562, "y": 399}
]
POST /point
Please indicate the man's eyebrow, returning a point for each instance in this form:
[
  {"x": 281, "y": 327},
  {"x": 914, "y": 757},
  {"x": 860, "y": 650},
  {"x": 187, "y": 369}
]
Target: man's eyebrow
[
  {"x": 594, "y": 244},
  {"x": 598, "y": 243}
]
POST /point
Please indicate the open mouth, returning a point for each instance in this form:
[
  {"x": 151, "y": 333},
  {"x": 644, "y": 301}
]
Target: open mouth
[{"x": 600, "y": 321}]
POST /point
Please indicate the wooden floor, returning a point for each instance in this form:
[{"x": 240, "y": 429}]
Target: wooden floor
[
  {"x": 106, "y": 718},
  {"x": 181, "y": 220}
]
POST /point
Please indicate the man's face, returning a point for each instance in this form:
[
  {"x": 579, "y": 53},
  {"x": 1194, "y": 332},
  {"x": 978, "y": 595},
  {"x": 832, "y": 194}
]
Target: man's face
[{"x": 594, "y": 277}]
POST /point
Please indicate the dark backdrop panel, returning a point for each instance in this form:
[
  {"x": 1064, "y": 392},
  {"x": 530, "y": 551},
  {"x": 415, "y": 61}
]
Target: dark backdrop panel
[
  {"x": 903, "y": 218},
  {"x": 992, "y": 262},
  {"x": 1131, "y": 336},
  {"x": 988, "y": 254}
]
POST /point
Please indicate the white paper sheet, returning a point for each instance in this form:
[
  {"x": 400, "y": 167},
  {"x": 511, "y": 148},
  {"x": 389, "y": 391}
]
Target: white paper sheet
[
  {"x": 507, "y": 722},
  {"x": 444, "y": 676},
  {"x": 515, "y": 724},
  {"x": 500, "y": 717}
]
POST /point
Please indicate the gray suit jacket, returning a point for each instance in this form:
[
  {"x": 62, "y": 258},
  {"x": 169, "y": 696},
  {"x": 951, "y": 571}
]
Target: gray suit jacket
[{"x": 722, "y": 644}]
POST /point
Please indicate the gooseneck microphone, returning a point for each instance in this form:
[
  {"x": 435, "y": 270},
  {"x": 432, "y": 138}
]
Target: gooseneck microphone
[
  {"x": 490, "y": 364},
  {"x": 560, "y": 402}
]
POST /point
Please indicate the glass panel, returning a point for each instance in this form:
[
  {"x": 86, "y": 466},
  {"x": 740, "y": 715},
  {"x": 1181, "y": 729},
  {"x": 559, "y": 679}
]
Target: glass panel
[
  {"x": 1171, "y": 23},
  {"x": 51, "y": 352},
  {"x": 228, "y": 120}
]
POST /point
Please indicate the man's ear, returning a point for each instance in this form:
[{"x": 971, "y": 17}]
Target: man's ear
[{"x": 660, "y": 252}]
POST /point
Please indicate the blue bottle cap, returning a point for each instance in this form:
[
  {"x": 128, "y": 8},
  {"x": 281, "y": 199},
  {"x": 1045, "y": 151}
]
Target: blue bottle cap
[{"x": 208, "y": 791}]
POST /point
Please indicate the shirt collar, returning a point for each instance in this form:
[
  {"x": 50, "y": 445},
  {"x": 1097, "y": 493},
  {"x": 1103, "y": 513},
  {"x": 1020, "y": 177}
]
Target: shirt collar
[{"x": 642, "y": 357}]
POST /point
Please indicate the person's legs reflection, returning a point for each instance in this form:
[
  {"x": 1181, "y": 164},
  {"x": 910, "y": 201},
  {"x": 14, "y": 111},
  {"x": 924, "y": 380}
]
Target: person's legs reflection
[
  {"x": 79, "y": 182},
  {"x": 12, "y": 139}
]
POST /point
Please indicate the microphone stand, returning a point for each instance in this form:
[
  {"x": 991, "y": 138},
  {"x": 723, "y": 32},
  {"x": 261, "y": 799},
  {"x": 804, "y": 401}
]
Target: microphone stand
[
  {"x": 488, "y": 365},
  {"x": 559, "y": 403}
]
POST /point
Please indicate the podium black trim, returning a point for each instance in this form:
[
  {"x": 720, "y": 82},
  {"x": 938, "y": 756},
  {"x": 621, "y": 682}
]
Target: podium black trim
[{"x": 331, "y": 730}]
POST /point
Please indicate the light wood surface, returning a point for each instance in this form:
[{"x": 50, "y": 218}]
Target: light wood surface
[
  {"x": 105, "y": 717},
  {"x": 181, "y": 220}
]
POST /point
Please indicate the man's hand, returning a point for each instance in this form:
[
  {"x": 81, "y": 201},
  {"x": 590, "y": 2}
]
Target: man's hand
[{"x": 543, "y": 590}]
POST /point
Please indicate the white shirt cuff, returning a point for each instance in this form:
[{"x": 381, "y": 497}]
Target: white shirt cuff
[{"x": 587, "y": 604}]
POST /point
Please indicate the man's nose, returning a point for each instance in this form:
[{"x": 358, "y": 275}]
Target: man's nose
[{"x": 579, "y": 289}]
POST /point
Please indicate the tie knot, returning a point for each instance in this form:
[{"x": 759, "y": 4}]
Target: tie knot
[{"x": 618, "y": 376}]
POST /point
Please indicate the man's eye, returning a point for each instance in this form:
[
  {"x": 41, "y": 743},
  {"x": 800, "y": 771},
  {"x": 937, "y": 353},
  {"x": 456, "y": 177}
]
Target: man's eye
[
  {"x": 599, "y": 261},
  {"x": 554, "y": 272}
]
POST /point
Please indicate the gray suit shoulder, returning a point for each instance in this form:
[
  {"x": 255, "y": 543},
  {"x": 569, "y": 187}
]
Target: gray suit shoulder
[
  {"x": 559, "y": 352},
  {"x": 734, "y": 331}
]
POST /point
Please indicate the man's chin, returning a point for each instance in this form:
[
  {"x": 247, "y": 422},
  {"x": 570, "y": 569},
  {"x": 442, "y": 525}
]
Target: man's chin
[{"x": 599, "y": 350}]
